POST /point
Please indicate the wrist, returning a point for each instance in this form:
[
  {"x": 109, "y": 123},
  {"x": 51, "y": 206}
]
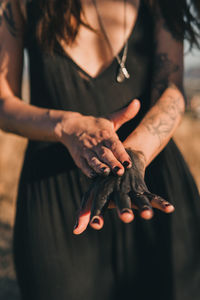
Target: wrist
[
  {"x": 141, "y": 140},
  {"x": 136, "y": 144},
  {"x": 140, "y": 155}
]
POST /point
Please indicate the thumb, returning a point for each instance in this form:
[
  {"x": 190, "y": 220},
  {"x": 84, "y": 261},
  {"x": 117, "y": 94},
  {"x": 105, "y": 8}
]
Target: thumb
[{"x": 125, "y": 114}]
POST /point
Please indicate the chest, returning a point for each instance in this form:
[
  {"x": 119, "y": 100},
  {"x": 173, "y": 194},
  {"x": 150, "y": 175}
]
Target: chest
[{"x": 112, "y": 22}]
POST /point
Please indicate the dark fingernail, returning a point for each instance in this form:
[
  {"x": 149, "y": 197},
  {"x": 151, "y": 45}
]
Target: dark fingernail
[
  {"x": 105, "y": 171},
  {"x": 76, "y": 224},
  {"x": 126, "y": 164},
  {"x": 95, "y": 221},
  {"x": 116, "y": 169},
  {"x": 125, "y": 210},
  {"x": 168, "y": 204},
  {"x": 146, "y": 208}
]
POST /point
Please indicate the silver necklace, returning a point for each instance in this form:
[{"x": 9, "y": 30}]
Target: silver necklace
[{"x": 122, "y": 72}]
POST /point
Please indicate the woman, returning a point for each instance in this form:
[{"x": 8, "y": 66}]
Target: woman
[{"x": 88, "y": 61}]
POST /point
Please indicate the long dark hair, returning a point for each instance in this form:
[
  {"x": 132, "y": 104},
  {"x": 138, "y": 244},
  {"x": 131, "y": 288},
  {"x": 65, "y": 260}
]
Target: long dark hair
[
  {"x": 63, "y": 18},
  {"x": 60, "y": 17}
]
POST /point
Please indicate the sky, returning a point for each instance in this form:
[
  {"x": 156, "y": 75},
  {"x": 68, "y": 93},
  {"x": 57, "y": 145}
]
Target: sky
[{"x": 192, "y": 59}]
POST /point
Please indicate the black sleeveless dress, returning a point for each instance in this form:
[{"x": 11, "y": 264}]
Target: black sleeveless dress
[{"x": 157, "y": 259}]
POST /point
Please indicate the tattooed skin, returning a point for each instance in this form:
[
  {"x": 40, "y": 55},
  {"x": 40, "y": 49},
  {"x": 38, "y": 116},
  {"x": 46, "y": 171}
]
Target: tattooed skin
[
  {"x": 161, "y": 124},
  {"x": 163, "y": 68},
  {"x": 6, "y": 14}
]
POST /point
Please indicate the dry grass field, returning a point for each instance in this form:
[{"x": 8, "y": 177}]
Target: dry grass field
[{"x": 11, "y": 156}]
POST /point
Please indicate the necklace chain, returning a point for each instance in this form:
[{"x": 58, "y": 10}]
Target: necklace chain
[{"x": 122, "y": 73}]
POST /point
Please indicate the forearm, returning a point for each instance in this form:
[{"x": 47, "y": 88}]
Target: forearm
[
  {"x": 158, "y": 126},
  {"x": 30, "y": 121}
]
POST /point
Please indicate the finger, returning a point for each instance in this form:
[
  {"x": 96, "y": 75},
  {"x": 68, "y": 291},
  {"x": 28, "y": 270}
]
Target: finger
[
  {"x": 85, "y": 168},
  {"x": 123, "y": 204},
  {"x": 101, "y": 200},
  {"x": 97, "y": 222},
  {"x": 95, "y": 164},
  {"x": 105, "y": 155},
  {"x": 143, "y": 205},
  {"x": 119, "y": 151},
  {"x": 122, "y": 199},
  {"x": 83, "y": 217},
  {"x": 160, "y": 203},
  {"x": 82, "y": 222},
  {"x": 125, "y": 114}
]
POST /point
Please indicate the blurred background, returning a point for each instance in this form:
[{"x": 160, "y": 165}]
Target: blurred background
[{"x": 11, "y": 157}]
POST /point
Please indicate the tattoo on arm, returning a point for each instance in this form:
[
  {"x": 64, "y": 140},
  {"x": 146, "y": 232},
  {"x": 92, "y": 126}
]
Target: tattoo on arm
[
  {"x": 161, "y": 124},
  {"x": 6, "y": 14},
  {"x": 163, "y": 68}
]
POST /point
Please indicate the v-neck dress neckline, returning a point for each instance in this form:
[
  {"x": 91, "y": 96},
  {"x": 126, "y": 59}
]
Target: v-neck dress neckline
[{"x": 113, "y": 62}]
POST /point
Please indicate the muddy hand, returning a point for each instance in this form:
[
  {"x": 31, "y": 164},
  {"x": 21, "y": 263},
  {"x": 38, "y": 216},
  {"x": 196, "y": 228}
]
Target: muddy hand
[{"x": 122, "y": 193}]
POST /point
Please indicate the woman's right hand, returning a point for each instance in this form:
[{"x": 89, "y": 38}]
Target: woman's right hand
[{"x": 93, "y": 142}]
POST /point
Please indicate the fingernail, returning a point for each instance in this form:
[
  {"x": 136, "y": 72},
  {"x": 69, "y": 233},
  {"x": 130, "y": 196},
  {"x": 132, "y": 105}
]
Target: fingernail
[
  {"x": 105, "y": 171},
  {"x": 95, "y": 221},
  {"x": 168, "y": 204},
  {"x": 76, "y": 224},
  {"x": 116, "y": 169},
  {"x": 126, "y": 164},
  {"x": 146, "y": 208},
  {"x": 125, "y": 210}
]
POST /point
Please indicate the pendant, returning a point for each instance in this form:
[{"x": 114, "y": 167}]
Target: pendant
[{"x": 122, "y": 73}]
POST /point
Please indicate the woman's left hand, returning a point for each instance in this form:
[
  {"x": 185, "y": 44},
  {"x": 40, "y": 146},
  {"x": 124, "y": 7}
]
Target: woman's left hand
[{"x": 123, "y": 193}]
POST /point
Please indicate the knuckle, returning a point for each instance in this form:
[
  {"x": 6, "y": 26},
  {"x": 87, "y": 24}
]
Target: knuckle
[
  {"x": 94, "y": 141},
  {"x": 117, "y": 146},
  {"x": 104, "y": 134},
  {"x": 114, "y": 145},
  {"x": 121, "y": 153},
  {"x": 103, "y": 152},
  {"x": 86, "y": 143}
]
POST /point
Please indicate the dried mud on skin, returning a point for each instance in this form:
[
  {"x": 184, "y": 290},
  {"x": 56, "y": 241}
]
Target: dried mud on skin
[{"x": 11, "y": 157}]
